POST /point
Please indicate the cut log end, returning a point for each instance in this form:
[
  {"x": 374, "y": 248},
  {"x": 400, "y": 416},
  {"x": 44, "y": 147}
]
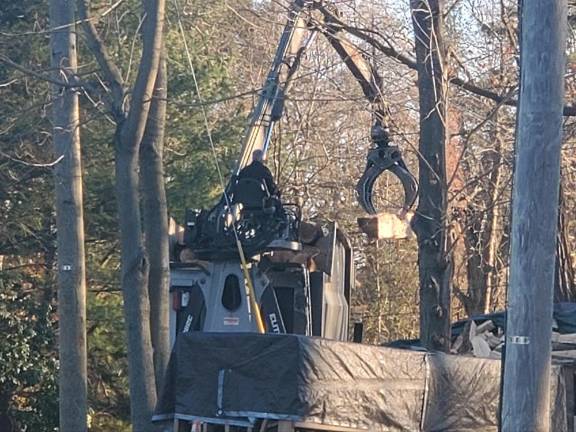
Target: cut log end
[{"x": 387, "y": 225}]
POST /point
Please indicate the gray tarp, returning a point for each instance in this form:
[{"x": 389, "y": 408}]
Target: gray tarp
[{"x": 241, "y": 377}]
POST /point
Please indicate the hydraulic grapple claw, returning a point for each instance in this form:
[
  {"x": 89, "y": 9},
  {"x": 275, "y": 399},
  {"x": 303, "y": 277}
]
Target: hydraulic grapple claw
[{"x": 381, "y": 159}]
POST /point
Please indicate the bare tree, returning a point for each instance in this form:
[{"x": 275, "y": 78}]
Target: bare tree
[
  {"x": 131, "y": 120},
  {"x": 69, "y": 220},
  {"x": 434, "y": 259},
  {"x": 476, "y": 211}
]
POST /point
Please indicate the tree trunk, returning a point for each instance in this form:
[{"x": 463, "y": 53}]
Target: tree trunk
[
  {"x": 482, "y": 236},
  {"x": 134, "y": 262},
  {"x": 155, "y": 213},
  {"x": 476, "y": 278},
  {"x": 434, "y": 261},
  {"x": 69, "y": 222},
  {"x": 493, "y": 235},
  {"x": 134, "y": 282},
  {"x": 129, "y": 133},
  {"x": 527, "y": 366}
]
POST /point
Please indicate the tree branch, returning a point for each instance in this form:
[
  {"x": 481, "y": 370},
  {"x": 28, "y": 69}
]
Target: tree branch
[
  {"x": 40, "y": 76},
  {"x": 144, "y": 86},
  {"x": 32, "y": 164},
  {"x": 390, "y": 51},
  {"x": 109, "y": 69},
  {"x": 61, "y": 27}
]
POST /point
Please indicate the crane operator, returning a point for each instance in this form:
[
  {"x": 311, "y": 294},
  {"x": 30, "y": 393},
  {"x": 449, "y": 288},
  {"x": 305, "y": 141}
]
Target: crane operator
[{"x": 257, "y": 170}]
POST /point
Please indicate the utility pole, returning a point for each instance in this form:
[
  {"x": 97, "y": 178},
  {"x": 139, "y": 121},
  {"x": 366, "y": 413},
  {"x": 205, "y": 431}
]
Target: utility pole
[
  {"x": 526, "y": 395},
  {"x": 69, "y": 220}
]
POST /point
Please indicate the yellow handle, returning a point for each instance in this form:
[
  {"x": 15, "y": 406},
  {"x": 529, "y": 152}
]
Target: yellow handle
[{"x": 251, "y": 290}]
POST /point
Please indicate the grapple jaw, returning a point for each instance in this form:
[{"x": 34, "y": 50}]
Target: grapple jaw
[{"x": 380, "y": 159}]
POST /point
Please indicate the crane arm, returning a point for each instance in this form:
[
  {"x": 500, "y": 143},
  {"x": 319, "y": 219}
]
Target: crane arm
[
  {"x": 385, "y": 156},
  {"x": 306, "y": 18},
  {"x": 268, "y": 111}
]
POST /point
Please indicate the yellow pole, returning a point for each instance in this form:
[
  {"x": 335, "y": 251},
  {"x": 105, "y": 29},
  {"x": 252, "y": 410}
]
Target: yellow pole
[{"x": 251, "y": 291}]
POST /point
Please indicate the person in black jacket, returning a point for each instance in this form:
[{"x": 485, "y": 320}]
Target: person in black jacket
[{"x": 257, "y": 170}]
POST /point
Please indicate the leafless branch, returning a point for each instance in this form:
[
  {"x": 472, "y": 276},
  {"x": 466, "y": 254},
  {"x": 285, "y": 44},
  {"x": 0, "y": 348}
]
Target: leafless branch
[
  {"x": 38, "y": 75},
  {"x": 109, "y": 69},
  {"x": 32, "y": 164}
]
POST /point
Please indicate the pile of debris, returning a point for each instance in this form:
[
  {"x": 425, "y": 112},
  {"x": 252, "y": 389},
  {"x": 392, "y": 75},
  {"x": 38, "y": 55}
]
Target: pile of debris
[
  {"x": 484, "y": 336},
  {"x": 481, "y": 340}
]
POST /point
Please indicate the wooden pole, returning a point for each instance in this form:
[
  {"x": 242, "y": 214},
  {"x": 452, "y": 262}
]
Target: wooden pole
[
  {"x": 69, "y": 221},
  {"x": 526, "y": 394}
]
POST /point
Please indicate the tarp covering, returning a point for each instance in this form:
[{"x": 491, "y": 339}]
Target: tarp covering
[
  {"x": 462, "y": 394},
  {"x": 242, "y": 377}
]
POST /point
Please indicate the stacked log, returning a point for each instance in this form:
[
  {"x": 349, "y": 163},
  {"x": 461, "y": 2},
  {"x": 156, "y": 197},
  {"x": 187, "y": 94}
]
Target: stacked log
[{"x": 387, "y": 225}]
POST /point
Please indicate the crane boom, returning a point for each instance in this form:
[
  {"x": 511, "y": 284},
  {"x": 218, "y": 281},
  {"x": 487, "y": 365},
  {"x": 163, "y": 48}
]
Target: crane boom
[
  {"x": 269, "y": 107},
  {"x": 306, "y": 18}
]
